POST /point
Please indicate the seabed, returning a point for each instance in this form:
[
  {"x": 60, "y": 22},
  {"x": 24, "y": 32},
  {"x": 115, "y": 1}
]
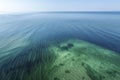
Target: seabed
[{"x": 68, "y": 60}]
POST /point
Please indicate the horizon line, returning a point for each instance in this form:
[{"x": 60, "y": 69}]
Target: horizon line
[{"x": 7, "y": 12}]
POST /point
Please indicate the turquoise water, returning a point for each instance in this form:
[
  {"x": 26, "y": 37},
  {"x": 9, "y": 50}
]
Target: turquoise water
[{"x": 22, "y": 34}]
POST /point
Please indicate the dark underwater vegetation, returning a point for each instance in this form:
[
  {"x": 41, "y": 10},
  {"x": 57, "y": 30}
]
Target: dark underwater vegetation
[{"x": 60, "y": 46}]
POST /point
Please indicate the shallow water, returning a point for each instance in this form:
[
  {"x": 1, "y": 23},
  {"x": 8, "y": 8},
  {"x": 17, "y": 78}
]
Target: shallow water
[{"x": 26, "y": 40}]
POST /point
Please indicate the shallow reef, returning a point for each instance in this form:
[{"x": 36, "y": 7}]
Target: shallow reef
[
  {"x": 72, "y": 59},
  {"x": 80, "y": 60}
]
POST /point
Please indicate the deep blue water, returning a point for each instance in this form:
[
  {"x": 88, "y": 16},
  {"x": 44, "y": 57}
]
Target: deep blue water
[{"x": 102, "y": 29}]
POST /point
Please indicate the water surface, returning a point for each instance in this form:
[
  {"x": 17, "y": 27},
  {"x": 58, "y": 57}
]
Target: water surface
[{"x": 28, "y": 44}]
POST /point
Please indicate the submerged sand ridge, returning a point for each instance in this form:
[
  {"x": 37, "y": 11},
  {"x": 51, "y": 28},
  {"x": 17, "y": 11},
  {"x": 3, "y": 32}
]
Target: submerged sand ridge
[
  {"x": 79, "y": 60},
  {"x": 68, "y": 60}
]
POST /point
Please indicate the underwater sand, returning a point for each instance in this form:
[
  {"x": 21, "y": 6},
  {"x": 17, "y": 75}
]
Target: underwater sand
[
  {"x": 79, "y": 60},
  {"x": 69, "y": 60}
]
